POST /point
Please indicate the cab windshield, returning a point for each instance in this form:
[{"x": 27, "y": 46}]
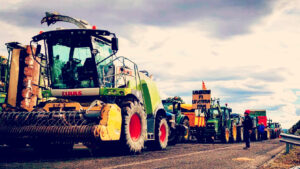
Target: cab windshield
[
  {"x": 214, "y": 113},
  {"x": 73, "y": 61}
]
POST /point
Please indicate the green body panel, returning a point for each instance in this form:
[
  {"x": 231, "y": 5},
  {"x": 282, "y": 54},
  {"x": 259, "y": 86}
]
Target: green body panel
[
  {"x": 256, "y": 113},
  {"x": 115, "y": 91},
  {"x": 150, "y": 93},
  {"x": 46, "y": 93},
  {"x": 2, "y": 97}
]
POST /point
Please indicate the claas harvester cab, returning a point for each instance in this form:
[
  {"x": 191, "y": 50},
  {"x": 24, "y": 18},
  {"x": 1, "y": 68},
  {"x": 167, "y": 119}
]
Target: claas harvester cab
[{"x": 99, "y": 97}]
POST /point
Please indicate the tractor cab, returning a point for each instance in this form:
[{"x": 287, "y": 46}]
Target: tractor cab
[
  {"x": 85, "y": 59},
  {"x": 226, "y": 116},
  {"x": 74, "y": 56},
  {"x": 238, "y": 119},
  {"x": 213, "y": 119},
  {"x": 218, "y": 117},
  {"x": 3, "y": 73}
]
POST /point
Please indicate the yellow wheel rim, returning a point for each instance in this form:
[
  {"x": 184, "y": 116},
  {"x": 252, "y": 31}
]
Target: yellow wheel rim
[
  {"x": 187, "y": 134},
  {"x": 234, "y": 133},
  {"x": 227, "y": 135}
]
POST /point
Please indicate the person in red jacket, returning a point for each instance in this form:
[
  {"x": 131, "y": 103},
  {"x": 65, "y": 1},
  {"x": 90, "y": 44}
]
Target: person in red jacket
[{"x": 248, "y": 125}]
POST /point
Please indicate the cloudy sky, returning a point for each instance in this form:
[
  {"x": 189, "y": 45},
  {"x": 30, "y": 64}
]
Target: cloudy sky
[{"x": 247, "y": 52}]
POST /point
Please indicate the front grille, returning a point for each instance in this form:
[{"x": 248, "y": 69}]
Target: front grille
[{"x": 210, "y": 126}]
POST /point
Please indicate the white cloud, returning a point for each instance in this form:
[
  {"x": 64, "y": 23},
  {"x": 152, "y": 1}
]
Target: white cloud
[
  {"x": 269, "y": 52},
  {"x": 12, "y": 33}
]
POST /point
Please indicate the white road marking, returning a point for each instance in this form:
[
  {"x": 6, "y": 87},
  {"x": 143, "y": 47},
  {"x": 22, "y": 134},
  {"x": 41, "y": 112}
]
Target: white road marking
[{"x": 166, "y": 158}]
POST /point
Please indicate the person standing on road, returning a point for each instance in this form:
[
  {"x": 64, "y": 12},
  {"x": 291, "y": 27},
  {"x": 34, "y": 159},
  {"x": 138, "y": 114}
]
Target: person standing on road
[
  {"x": 247, "y": 123},
  {"x": 261, "y": 130}
]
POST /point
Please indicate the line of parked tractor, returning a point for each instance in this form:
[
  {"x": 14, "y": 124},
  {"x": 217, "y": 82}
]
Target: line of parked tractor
[
  {"x": 76, "y": 90},
  {"x": 215, "y": 124}
]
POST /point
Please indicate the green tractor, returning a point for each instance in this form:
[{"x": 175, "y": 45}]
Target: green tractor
[
  {"x": 219, "y": 125},
  {"x": 178, "y": 122},
  {"x": 100, "y": 98},
  {"x": 275, "y": 129},
  {"x": 3, "y": 79}
]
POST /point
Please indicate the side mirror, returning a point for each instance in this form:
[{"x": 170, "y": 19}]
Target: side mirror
[
  {"x": 114, "y": 44},
  {"x": 95, "y": 52},
  {"x": 38, "y": 50}
]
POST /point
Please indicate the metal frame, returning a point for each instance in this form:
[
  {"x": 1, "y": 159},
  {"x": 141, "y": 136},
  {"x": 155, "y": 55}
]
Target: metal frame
[{"x": 290, "y": 140}]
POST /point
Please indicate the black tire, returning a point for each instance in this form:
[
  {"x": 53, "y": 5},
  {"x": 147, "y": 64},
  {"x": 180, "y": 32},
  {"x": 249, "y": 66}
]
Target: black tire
[
  {"x": 185, "y": 138},
  {"x": 200, "y": 137},
  {"x": 161, "y": 133},
  {"x": 173, "y": 137},
  {"x": 134, "y": 126},
  {"x": 225, "y": 135}
]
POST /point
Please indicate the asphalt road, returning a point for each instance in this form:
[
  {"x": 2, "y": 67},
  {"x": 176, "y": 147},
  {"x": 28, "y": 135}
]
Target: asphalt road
[{"x": 189, "y": 155}]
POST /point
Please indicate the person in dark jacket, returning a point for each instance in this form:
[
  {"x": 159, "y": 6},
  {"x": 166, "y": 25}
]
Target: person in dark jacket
[
  {"x": 247, "y": 123},
  {"x": 261, "y": 130}
]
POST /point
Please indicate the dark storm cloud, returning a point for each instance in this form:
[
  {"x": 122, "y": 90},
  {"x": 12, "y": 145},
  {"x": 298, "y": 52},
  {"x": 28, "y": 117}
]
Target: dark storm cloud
[{"x": 221, "y": 18}]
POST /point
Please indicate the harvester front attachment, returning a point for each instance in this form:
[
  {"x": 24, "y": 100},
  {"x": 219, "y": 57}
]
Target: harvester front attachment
[{"x": 61, "y": 128}]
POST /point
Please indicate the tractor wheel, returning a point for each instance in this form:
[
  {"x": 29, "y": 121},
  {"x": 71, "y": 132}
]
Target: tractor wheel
[
  {"x": 234, "y": 133},
  {"x": 173, "y": 137},
  {"x": 134, "y": 126},
  {"x": 225, "y": 135},
  {"x": 268, "y": 135},
  {"x": 241, "y": 134},
  {"x": 172, "y": 140},
  {"x": 185, "y": 138},
  {"x": 255, "y": 135},
  {"x": 161, "y": 133}
]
